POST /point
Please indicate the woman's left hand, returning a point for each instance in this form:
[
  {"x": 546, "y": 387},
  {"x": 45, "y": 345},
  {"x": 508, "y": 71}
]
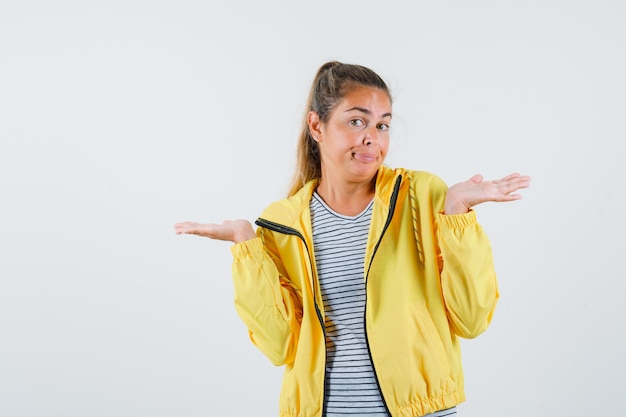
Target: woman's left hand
[{"x": 464, "y": 195}]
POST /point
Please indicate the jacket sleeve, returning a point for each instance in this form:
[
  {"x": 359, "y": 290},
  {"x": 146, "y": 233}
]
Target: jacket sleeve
[
  {"x": 468, "y": 279},
  {"x": 266, "y": 300}
]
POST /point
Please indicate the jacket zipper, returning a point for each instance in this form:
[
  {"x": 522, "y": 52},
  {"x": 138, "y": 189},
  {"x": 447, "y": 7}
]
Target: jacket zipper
[
  {"x": 392, "y": 207},
  {"x": 280, "y": 228},
  {"x": 277, "y": 227}
]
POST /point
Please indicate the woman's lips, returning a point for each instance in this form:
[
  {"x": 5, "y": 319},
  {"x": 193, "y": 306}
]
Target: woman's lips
[{"x": 365, "y": 156}]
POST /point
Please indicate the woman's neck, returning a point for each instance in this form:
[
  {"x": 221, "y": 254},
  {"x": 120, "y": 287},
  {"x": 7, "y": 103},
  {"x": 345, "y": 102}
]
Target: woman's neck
[{"x": 349, "y": 199}]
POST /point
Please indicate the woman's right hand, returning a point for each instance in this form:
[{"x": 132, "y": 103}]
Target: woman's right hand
[{"x": 235, "y": 231}]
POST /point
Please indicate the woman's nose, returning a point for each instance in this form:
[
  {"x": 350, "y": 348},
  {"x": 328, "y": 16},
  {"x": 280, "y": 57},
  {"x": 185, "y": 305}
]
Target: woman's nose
[{"x": 370, "y": 136}]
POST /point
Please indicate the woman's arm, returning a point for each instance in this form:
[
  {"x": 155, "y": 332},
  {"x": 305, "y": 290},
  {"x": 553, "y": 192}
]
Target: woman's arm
[
  {"x": 468, "y": 279},
  {"x": 265, "y": 299}
]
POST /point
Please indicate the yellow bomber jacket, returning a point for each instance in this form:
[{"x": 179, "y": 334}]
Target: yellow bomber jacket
[{"x": 429, "y": 280}]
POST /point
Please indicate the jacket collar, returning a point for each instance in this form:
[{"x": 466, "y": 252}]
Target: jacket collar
[
  {"x": 289, "y": 211},
  {"x": 385, "y": 183}
]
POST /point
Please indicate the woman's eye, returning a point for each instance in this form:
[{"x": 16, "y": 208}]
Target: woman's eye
[
  {"x": 357, "y": 123},
  {"x": 383, "y": 126}
]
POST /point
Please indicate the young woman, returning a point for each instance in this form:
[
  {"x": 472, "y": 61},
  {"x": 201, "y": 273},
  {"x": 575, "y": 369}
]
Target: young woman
[{"x": 362, "y": 281}]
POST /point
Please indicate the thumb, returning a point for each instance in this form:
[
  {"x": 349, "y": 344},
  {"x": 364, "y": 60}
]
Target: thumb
[{"x": 477, "y": 179}]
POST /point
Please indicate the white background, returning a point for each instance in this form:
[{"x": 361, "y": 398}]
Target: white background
[{"x": 120, "y": 118}]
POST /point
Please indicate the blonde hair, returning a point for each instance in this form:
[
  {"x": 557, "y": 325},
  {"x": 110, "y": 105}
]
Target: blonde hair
[{"x": 333, "y": 81}]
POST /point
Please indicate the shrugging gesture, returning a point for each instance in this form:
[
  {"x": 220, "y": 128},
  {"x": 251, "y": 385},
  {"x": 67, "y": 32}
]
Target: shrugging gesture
[{"x": 364, "y": 279}]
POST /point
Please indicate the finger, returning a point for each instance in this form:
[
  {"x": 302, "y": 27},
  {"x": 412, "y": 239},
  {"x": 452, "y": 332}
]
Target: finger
[
  {"x": 187, "y": 228},
  {"x": 516, "y": 177},
  {"x": 510, "y": 176},
  {"x": 518, "y": 183},
  {"x": 178, "y": 228},
  {"x": 183, "y": 224},
  {"x": 513, "y": 197},
  {"x": 512, "y": 187}
]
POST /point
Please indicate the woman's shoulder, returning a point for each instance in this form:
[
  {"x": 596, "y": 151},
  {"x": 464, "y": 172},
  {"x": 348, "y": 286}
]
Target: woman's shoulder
[
  {"x": 288, "y": 210},
  {"x": 418, "y": 177},
  {"x": 428, "y": 189}
]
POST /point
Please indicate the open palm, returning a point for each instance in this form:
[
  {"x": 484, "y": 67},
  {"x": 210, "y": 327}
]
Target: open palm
[
  {"x": 235, "y": 231},
  {"x": 464, "y": 195}
]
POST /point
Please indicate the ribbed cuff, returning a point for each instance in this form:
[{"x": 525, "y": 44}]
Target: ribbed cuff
[
  {"x": 457, "y": 221},
  {"x": 247, "y": 247}
]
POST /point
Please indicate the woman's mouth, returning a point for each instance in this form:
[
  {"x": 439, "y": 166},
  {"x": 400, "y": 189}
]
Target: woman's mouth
[{"x": 366, "y": 157}]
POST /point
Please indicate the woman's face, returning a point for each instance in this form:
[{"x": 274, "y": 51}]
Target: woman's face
[{"x": 355, "y": 139}]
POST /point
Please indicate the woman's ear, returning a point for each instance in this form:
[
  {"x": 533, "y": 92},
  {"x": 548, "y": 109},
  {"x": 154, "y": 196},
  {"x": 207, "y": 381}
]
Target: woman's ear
[{"x": 315, "y": 125}]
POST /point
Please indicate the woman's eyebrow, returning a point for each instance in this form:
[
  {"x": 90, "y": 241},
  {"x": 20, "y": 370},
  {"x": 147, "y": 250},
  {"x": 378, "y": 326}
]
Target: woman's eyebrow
[{"x": 367, "y": 111}]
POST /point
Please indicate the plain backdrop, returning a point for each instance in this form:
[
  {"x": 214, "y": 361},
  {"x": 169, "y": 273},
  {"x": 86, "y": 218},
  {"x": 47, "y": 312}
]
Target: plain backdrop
[{"x": 120, "y": 118}]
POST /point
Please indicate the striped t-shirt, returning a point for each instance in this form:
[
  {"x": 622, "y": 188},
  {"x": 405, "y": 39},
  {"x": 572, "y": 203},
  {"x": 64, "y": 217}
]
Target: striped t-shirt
[{"x": 339, "y": 242}]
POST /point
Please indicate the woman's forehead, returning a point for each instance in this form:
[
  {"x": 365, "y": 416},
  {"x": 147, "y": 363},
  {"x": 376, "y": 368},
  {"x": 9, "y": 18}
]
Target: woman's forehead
[{"x": 368, "y": 100}]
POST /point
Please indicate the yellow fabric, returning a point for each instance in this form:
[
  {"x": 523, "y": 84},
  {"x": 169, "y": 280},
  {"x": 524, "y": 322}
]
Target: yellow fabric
[{"x": 430, "y": 280}]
